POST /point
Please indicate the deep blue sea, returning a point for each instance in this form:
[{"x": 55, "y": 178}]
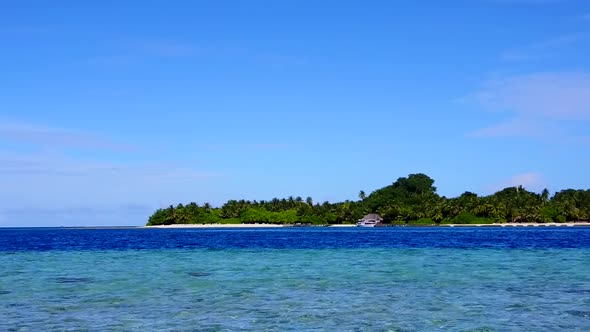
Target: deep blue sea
[{"x": 295, "y": 279}]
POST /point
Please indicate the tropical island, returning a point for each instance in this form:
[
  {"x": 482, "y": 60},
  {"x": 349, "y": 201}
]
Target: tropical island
[{"x": 410, "y": 200}]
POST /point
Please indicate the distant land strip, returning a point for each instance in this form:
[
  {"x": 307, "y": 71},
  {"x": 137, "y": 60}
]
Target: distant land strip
[{"x": 409, "y": 201}]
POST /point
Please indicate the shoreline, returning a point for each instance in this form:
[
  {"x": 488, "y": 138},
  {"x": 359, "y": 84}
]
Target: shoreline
[
  {"x": 549, "y": 224},
  {"x": 219, "y": 226},
  {"x": 578, "y": 224}
]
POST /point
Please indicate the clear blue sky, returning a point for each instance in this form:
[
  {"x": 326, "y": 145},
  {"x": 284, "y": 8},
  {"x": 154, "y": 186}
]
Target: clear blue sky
[{"x": 111, "y": 109}]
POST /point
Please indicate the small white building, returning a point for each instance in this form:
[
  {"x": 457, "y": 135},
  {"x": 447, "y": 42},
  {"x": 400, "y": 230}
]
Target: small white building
[{"x": 370, "y": 220}]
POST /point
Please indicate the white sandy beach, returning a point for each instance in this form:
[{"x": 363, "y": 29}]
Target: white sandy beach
[
  {"x": 240, "y": 226},
  {"x": 550, "y": 224},
  {"x": 220, "y": 226},
  {"x": 352, "y": 225}
]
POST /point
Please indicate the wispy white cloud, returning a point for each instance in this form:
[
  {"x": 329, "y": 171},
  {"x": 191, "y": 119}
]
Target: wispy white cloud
[
  {"x": 268, "y": 146},
  {"x": 59, "y": 166},
  {"x": 137, "y": 52},
  {"x": 174, "y": 50},
  {"x": 53, "y": 188},
  {"x": 538, "y": 103},
  {"x": 246, "y": 146},
  {"x": 278, "y": 60},
  {"x": 541, "y": 50},
  {"x": 532, "y": 181},
  {"x": 529, "y": 180},
  {"x": 530, "y": 2},
  {"x": 553, "y": 95},
  {"x": 512, "y": 128},
  {"x": 26, "y": 30},
  {"x": 57, "y": 137},
  {"x": 117, "y": 215},
  {"x": 171, "y": 48}
]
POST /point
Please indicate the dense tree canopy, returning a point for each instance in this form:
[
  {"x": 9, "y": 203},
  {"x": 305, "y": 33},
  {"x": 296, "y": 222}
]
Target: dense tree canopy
[{"x": 409, "y": 200}]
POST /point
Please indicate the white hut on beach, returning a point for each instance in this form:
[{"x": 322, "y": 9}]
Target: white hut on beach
[{"x": 370, "y": 220}]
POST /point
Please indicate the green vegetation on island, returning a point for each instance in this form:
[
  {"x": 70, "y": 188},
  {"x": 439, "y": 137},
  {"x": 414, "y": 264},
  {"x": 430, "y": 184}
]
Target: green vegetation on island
[{"x": 409, "y": 200}]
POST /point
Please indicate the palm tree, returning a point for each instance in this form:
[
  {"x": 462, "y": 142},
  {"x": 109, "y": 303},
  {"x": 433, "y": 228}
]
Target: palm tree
[
  {"x": 545, "y": 196},
  {"x": 362, "y": 195},
  {"x": 207, "y": 207}
]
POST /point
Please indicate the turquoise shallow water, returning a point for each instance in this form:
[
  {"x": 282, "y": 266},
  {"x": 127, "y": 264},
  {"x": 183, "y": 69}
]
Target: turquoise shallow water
[{"x": 266, "y": 289}]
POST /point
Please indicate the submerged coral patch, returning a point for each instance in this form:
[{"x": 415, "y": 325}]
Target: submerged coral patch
[
  {"x": 72, "y": 280},
  {"x": 199, "y": 274}
]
